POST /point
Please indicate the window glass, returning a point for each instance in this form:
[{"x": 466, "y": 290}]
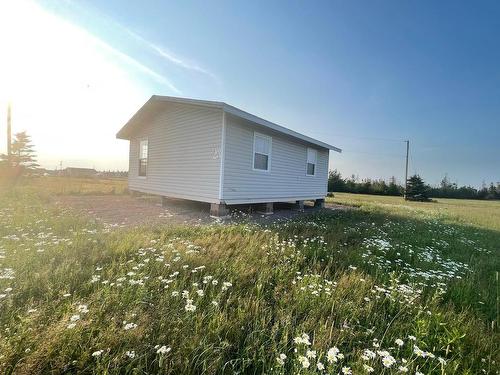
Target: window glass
[
  {"x": 312, "y": 156},
  {"x": 261, "y": 161},
  {"x": 262, "y": 145},
  {"x": 143, "y": 154},
  {"x": 143, "y": 158},
  {"x": 261, "y": 152},
  {"x": 310, "y": 169}
]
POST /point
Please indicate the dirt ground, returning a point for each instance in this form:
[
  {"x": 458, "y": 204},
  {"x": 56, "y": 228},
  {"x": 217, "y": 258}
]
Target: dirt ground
[{"x": 126, "y": 210}]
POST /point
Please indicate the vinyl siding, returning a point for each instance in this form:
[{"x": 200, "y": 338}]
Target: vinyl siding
[
  {"x": 287, "y": 178},
  {"x": 184, "y": 143}
]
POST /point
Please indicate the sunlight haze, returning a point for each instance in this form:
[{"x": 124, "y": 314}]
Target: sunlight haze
[{"x": 363, "y": 77}]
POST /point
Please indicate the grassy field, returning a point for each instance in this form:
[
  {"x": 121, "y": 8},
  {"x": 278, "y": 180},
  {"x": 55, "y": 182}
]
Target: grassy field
[
  {"x": 483, "y": 214},
  {"x": 387, "y": 288},
  {"x": 79, "y": 186}
]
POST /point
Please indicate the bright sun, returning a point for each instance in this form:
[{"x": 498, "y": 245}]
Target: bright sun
[{"x": 68, "y": 89}]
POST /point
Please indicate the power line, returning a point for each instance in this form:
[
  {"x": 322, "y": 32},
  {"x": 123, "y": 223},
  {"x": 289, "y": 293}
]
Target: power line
[
  {"x": 372, "y": 153},
  {"x": 365, "y": 138}
]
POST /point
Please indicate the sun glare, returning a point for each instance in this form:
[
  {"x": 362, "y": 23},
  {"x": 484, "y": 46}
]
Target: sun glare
[{"x": 67, "y": 87}]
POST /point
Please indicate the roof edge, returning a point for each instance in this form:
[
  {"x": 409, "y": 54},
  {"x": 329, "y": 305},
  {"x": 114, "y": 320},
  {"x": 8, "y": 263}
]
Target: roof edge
[
  {"x": 281, "y": 129},
  {"x": 228, "y": 109}
]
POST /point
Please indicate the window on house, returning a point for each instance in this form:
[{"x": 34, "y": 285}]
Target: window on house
[
  {"x": 143, "y": 157},
  {"x": 312, "y": 157},
  {"x": 261, "y": 152}
]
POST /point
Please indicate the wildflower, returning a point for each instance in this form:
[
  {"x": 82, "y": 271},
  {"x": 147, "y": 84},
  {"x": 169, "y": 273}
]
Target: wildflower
[
  {"x": 185, "y": 294},
  {"x": 97, "y": 353},
  {"x": 368, "y": 354},
  {"x": 320, "y": 366},
  {"x": 399, "y": 342},
  {"x": 71, "y": 325},
  {"x": 74, "y": 318},
  {"x": 215, "y": 303},
  {"x": 82, "y": 309},
  {"x": 200, "y": 292},
  {"x": 189, "y": 306},
  {"x": 302, "y": 339},
  {"x": 419, "y": 373},
  {"x": 304, "y": 361},
  {"x": 130, "y": 354},
  {"x": 388, "y": 361},
  {"x": 412, "y": 338},
  {"x": 226, "y": 285},
  {"x": 368, "y": 368},
  {"x": 129, "y": 326},
  {"x": 175, "y": 294},
  {"x": 346, "y": 371},
  {"x": 419, "y": 352},
  {"x": 403, "y": 369},
  {"x": 281, "y": 359},
  {"x": 383, "y": 353},
  {"x": 333, "y": 354},
  {"x": 311, "y": 354},
  {"x": 95, "y": 278},
  {"x": 162, "y": 349}
]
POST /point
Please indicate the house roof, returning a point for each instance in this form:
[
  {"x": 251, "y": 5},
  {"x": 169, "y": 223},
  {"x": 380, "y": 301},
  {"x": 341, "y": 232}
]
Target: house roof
[{"x": 156, "y": 103}]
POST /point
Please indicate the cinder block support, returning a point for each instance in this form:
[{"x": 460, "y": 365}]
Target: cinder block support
[
  {"x": 267, "y": 208},
  {"x": 299, "y": 205},
  {"x": 218, "y": 209},
  {"x": 164, "y": 201},
  {"x": 319, "y": 203}
]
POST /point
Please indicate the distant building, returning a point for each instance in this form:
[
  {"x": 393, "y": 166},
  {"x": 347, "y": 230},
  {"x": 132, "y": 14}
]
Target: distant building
[{"x": 79, "y": 172}]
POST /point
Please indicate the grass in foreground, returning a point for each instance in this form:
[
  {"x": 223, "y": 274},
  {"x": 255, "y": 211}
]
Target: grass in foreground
[{"x": 345, "y": 291}]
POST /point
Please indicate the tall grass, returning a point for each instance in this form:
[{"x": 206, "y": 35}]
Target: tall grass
[{"x": 288, "y": 297}]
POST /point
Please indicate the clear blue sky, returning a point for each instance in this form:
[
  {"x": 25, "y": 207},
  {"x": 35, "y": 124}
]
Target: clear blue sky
[{"x": 362, "y": 75}]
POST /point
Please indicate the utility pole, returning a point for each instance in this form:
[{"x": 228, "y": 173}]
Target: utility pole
[
  {"x": 9, "y": 132},
  {"x": 406, "y": 170}
]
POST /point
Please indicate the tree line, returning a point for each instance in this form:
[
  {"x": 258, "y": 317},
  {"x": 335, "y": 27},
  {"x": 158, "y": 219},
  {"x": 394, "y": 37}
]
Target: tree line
[{"x": 445, "y": 189}]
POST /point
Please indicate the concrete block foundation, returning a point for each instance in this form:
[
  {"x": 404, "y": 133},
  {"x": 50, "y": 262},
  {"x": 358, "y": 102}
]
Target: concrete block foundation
[
  {"x": 218, "y": 209},
  {"x": 319, "y": 203}
]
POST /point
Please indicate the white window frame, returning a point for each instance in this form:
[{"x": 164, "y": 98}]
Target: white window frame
[
  {"x": 255, "y": 135},
  {"x": 139, "y": 158},
  {"x": 315, "y": 161}
]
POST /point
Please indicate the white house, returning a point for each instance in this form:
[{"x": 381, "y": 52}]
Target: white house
[{"x": 213, "y": 152}]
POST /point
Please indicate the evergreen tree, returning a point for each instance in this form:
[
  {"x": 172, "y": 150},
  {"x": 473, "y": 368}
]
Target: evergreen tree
[
  {"x": 335, "y": 181},
  {"x": 417, "y": 191},
  {"x": 393, "y": 188},
  {"x": 23, "y": 157}
]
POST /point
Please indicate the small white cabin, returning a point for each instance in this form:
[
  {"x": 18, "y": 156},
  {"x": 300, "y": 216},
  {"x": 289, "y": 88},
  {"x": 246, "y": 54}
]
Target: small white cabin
[{"x": 212, "y": 152}]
